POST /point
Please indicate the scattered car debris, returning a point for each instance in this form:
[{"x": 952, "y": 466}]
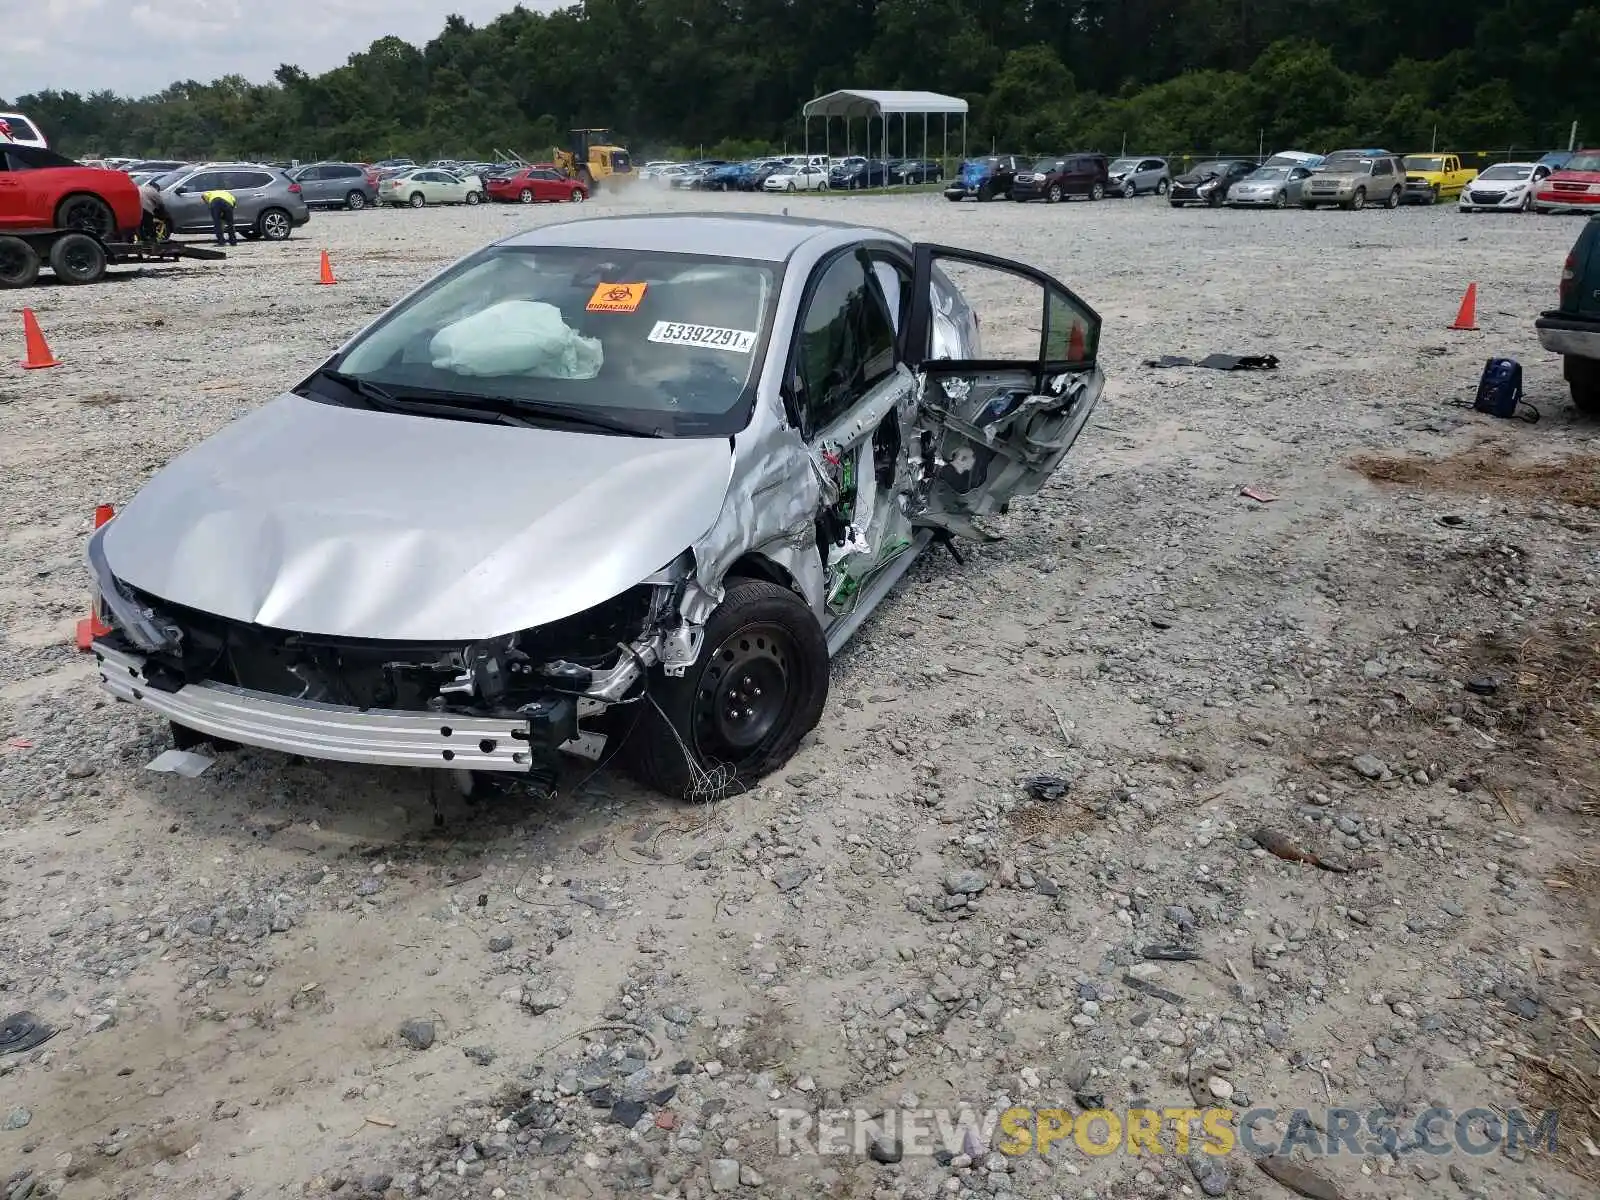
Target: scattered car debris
[
  {"x": 1153, "y": 989},
  {"x": 1219, "y": 362},
  {"x": 22, "y": 1031},
  {"x": 179, "y": 762},
  {"x": 1170, "y": 953},
  {"x": 1259, "y": 495},
  {"x": 1298, "y": 1178},
  {"x": 1049, "y": 787},
  {"x": 1281, "y": 846}
]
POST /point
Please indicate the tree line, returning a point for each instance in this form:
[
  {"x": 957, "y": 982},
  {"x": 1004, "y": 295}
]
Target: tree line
[{"x": 729, "y": 76}]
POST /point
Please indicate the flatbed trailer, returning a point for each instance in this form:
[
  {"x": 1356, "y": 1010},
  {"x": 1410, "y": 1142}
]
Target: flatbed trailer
[{"x": 75, "y": 256}]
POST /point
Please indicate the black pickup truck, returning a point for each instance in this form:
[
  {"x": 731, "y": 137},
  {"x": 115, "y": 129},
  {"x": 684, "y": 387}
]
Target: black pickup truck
[{"x": 1573, "y": 329}]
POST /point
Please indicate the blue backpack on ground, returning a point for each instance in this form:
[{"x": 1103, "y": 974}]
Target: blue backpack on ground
[{"x": 1500, "y": 390}]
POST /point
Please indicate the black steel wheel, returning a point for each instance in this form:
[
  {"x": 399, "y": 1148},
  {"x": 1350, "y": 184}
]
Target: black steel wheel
[
  {"x": 88, "y": 213},
  {"x": 19, "y": 264},
  {"x": 759, "y": 686},
  {"x": 78, "y": 258}
]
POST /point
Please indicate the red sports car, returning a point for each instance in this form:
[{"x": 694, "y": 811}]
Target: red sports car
[
  {"x": 537, "y": 184},
  {"x": 40, "y": 189},
  {"x": 1574, "y": 188}
]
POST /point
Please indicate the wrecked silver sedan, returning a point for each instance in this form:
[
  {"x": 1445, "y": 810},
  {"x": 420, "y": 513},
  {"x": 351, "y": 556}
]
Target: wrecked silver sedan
[{"x": 626, "y": 480}]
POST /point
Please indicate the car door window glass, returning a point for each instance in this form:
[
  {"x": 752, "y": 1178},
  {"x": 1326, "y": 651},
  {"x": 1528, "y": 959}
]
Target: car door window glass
[
  {"x": 846, "y": 343},
  {"x": 1013, "y": 316},
  {"x": 206, "y": 181},
  {"x": 894, "y": 281},
  {"x": 247, "y": 181}
]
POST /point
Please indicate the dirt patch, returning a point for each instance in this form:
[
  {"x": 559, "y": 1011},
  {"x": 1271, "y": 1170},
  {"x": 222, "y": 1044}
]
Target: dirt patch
[
  {"x": 1552, "y": 671},
  {"x": 1491, "y": 469}
]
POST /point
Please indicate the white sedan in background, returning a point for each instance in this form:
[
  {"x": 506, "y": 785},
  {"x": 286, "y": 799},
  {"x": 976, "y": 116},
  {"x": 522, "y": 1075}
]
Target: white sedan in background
[
  {"x": 431, "y": 185},
  {"x": 798, "y": 179},
  {"x": 1504, "y": 187}
]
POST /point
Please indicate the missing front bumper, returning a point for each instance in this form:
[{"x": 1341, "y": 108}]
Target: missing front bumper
[{"x": 337, "y": 732}]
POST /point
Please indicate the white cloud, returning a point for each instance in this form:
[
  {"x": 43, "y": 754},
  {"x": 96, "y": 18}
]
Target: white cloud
[{"x": 135, "y": 49}]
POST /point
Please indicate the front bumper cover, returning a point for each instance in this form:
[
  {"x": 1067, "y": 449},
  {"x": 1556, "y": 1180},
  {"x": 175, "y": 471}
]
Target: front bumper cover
[{"x": 343, "y": 734}]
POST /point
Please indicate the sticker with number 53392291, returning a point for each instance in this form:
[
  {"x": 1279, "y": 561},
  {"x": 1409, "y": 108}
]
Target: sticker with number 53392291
[{"x": 710, "y": 337}]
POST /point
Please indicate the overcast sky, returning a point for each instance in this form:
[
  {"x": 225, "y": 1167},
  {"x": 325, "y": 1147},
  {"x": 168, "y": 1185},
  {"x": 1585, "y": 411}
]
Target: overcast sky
[{"x": 135, "y": 47}]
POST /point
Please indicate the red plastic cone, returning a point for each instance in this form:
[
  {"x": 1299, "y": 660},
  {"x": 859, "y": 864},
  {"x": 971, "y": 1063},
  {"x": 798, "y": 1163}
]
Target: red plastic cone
[
  {"x": 327, "y": 271},
  {"x": 1075, "y": 349},
  {"x": 1467, "y": 317},
  {"x": 38, "y": 349}
]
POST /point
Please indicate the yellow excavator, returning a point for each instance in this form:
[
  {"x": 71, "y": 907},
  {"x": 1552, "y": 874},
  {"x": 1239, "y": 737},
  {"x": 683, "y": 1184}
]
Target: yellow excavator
[{"x": 593, "y": 159}]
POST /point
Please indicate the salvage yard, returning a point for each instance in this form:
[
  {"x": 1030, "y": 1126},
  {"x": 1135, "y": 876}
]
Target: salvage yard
[{"x": 286, "y": 977}]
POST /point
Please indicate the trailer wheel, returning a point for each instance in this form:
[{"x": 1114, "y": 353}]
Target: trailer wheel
[
  {"x": 19, "y": 265},
  {"x": 78, "y": 258},
  {"x": 88, "y": 213}
]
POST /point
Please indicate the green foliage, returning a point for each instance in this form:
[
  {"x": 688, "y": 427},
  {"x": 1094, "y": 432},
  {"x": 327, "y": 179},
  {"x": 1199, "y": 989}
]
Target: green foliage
[{"x": 726, "y": 78}]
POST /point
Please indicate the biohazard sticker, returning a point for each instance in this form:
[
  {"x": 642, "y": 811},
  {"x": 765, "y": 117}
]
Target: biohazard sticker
[
  {"x": 616, "y": 298},
  {"x": 711, "y": 337}
]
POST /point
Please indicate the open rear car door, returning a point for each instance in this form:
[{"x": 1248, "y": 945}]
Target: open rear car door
[{"x": 1005, "y": 358}]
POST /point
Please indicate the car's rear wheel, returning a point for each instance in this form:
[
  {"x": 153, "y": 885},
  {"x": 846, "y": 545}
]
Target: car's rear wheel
[
  {"x": 1394, "y": 198},
  {"x": 355, "y": 201},
  {"x": 525, "y": 196},
  {"x": 275, "y": 225},
  {"x": 19, "y": 264},
  {"x": 1583, "y": 380},
  {"x": 87, "y": 213},
  {"x": 78, "y": 258},
  {"x": 417, "y": 200},
  {"x": 473, "y": 198},
  {"x": 1098, "y": 191},
  {"x": 740, "y": 712},
  {"x": 1162, "y": 187}
]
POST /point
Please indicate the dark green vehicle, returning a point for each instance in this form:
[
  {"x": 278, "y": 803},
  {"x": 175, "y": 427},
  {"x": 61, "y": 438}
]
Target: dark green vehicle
[{"x": 1573, "y": 330}]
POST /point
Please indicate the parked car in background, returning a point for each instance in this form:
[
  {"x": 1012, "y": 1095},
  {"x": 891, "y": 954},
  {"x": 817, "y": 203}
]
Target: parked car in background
[
  {"x": 760, "y": 173},
  {"x": 140, "y": 178},
  {"x": 269, "y": 204},
  {"x": 40, "y": 189},
  {"x": 314, "y": 579},
  {"x": 336, "y": 185},
  {"x": 1573, "y": 188},
  {"x": 801, "y": 178},
  {"x": 1355, "y": 178},
  {"x": 536, "y": 185},
  {"x": 863, "y": 173},
  {"x": 1269, "y": 187},
  {"x": 917, "y": 170},
  {"x": 154, "y": 166},
  {"x": 1504, "y": 187},
  {"x": 1295, "y": 158},
  {"x": 654, "y": 167},
  {"x": 395, "y": 162},
  {"x": 988, "y": 178},
  {"x": 430, "y": 185},
  {"x": 1572, "y": 329},
  {"x": 1208, "y": 182},
  {"x": 1060, "y": 177},
  {"x": 1129, "y": 177},
  {"x": 1431, "y": 178},
  {"x": 20, "y": 130}
]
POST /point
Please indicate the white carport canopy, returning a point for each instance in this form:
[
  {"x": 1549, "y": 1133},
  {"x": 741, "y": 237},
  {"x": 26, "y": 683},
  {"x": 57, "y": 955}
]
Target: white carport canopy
[{"x": 866, "y": 104}]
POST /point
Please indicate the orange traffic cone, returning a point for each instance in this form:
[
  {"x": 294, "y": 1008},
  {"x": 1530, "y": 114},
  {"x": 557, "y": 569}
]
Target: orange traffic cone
[
  {"x": 92, "y": 626},
  {"x": 1467, "y": 317},
  {"x": 1075, "y": 349},
  {"x": 38, "y": 349},
  {"x": 327, "y": 271}
]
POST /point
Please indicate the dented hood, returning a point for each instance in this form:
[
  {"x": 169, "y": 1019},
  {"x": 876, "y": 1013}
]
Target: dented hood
[{"x": 343, "y": 522}]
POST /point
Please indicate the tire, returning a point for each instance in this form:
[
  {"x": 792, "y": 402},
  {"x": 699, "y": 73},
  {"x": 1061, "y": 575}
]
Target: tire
[
  {"x": 87, "y": 213},
  {"x": 355, "y": 201},
  {"x": 1436, "y": 193},
  {"x": 1175, "y": 203},
  {"x": 985, "y": 193},
  {"x": 1162, "y": 187},
  {"x": 790, "y": 188},
  {"x": 525, "y": 196},
  {"x": 578, "y": 196},
  {"x": 822, "y": 187},
  {"x": 473, "y": 198},
  {"x": 1525, "y": 206},
  {"x": 1129, "y": 191},
  {"x": 1583, "y": 381},
  {"x": 1214, "y": 200},
  {"x": 1281, "y": 200},
  {"x": 1357, "y": 202},
  {"x": 1394, "y": 199},
  {"x": 275, "y": 225},
  {"x": 417, "y": 200},
  {"x": 1098, "y": 191},
  {"x": 78, "y": 258},
  {"x": 1053, "y": 196},
  {"x": 953, "y": 199},
  {"x": 761, "y": 634},
  {"x": 19, "y": 263}
]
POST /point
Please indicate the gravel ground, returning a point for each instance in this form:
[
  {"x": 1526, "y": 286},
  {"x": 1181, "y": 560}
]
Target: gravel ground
[{"x": 285, "y": 977}]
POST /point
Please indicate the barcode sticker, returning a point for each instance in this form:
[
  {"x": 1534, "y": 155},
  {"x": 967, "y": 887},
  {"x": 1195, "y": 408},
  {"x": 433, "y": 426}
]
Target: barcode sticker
[{"x": 712, "y": 337}]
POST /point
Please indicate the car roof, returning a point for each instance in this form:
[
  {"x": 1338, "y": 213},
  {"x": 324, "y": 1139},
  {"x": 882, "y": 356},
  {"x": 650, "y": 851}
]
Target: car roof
[{"x": 723, "y": 235}]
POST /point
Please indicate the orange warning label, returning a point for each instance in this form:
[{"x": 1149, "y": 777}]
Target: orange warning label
[{"x": 616, "y": 297}]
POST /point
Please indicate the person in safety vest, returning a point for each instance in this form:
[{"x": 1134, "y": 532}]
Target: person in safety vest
[{"x": 221, "y": 203}]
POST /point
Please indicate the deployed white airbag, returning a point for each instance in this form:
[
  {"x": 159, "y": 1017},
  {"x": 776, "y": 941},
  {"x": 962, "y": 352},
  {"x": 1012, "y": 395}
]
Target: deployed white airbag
[{"x": 516, "y": 337}]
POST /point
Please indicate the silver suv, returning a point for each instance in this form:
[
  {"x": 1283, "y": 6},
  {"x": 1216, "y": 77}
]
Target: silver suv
[
  {"x": 1355, "y": 179},
  {"x": 336, "y": 184},
  {"x": 270, "y": 204}
]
